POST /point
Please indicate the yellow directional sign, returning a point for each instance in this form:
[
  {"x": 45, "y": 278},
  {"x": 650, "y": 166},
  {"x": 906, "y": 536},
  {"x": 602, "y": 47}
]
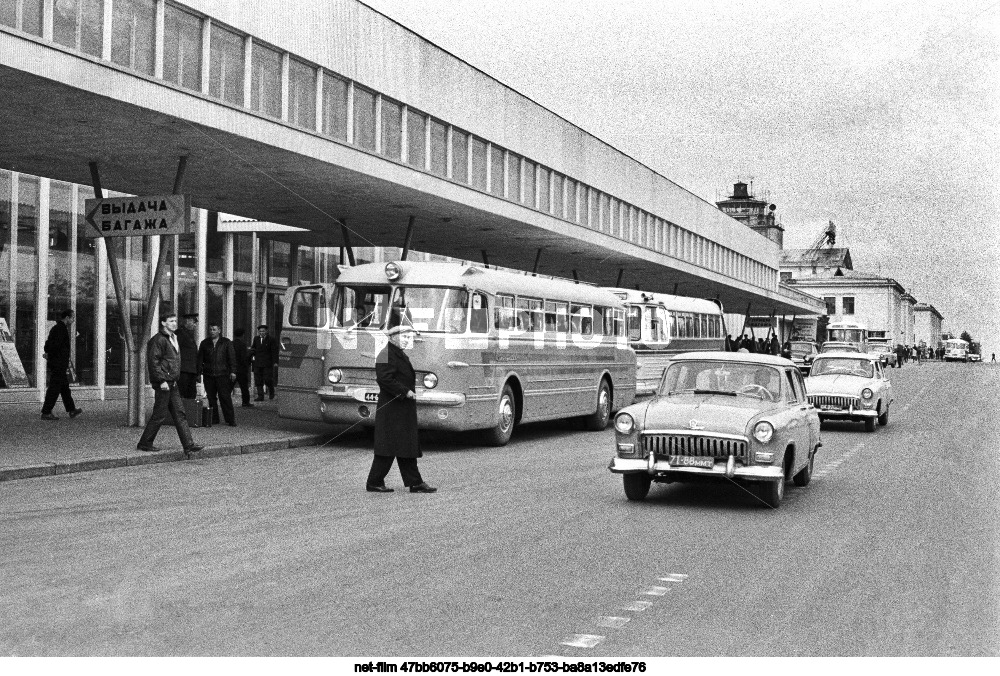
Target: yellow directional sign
[{"x": 139, "y": 216}]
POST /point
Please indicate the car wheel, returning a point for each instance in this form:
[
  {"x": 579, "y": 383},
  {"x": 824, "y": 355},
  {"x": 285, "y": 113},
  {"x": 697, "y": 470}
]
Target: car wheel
[
  {"x": 771, "y": 492},
  {"x": 500, "y": 434},
  {"x": 883, "y": 418},
  {"x": 598, "y": 420},
  {"x": 869, "y": 424},
  {"x": 636, "y": 486},
  {"x": 805, "y": 474}
]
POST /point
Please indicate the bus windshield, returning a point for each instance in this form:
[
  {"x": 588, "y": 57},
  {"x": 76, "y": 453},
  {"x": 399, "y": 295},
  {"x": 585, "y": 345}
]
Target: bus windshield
[
  {"x": 438, "y": 309},
  {"x": 846, "y": 335},
  {"x": 358, "y": 305}
]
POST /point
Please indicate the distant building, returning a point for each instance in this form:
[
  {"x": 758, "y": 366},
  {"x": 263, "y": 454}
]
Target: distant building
[
  {"x": 755, "y": 213},
  {"x": 927, "y": 324},
  {"x": 800, "y": 263}
]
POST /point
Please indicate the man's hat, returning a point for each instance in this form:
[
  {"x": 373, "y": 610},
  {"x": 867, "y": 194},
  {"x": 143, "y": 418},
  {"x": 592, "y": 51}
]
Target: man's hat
[{"x": 396, "y": 330}]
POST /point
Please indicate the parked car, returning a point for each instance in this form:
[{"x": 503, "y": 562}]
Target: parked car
[
  {"x": 885, "y": 353},
  {"x": 834, "y": 346},
  {"x": 802, "y": 354},
  {"x": 850, "y": 386},
  {"x": 733, "y": 416}
]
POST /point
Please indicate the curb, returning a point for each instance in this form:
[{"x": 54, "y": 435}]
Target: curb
[{"x": 134, "y": 460}]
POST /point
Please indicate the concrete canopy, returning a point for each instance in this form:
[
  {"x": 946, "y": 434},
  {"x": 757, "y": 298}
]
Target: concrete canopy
[{"x": 62, "y": 110}]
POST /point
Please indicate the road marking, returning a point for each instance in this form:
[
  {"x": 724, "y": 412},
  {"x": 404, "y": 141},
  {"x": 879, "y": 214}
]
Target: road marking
[
  {"x": 582, "y": 640},
  {"x": 612, "y": 622},
  {"x": 656, "y": 591},
  {"x": 639, "y": 606}
]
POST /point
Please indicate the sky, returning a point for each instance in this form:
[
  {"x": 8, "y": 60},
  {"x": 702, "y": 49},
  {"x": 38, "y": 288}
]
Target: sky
[{"x": 883, "y": 117}]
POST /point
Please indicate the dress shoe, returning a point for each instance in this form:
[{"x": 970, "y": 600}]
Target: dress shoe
[
  {"x": 378, "y": 489},
  {"x": 75, "y": 412},
  {"x": 147, "y": 449},
  {"x": 422, "y": 487},
  {"x": 195, "y": 448},
  {"x": 49, "y": 416}
]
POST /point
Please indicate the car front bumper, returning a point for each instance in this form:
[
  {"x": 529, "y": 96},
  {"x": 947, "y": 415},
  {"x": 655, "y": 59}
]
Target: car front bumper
[
  {"x": 856, "y": 414},
  {"x": 721, "y": 470}
]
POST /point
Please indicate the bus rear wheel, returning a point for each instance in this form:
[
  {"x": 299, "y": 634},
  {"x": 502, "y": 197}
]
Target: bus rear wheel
[
  {"x": 499, "y": 435},
  {"x": 598, "y": 420}
]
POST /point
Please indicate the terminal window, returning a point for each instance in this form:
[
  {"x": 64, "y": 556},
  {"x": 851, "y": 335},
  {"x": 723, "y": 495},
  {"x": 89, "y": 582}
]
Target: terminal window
[
  {"x": 334, "y": 106},
  {"x": 79, "y": 25},
  {"x": 182, "y": 48},
  {"x": 392, "y": 129},
  {"x": 226, "y": 66},
  {"x": 133, "y": 40},
  {"x": 265, "y": 81}
]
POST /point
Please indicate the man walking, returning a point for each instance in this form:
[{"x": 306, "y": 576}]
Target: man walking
[
  {"x": 242, "y": 351},
  {"x": 57, "y": 355},
  {"x": 217, "y": 361},
  {"x": 163, "y": 357},
  {"x": 265, "y": 356},
  {"x": 190, "y": 365}
]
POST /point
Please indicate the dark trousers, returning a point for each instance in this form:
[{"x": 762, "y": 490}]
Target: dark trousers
[
  {"x": 220, "y": 393},
  {"x": 58, "y": 385},
  {"x": 381, "y": 465},
  {"x": 243, "y": 380},
  {"x": 167, "y": 401},
  {"x": 263, "y": 375},
  {"x": 188, "y": 384}
]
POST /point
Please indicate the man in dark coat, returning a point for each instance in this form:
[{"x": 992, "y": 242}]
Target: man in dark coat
[
  {"x": 57, "y": 355},
  {"x": 775, "y": 345},
  {"x": 218, "y": 367},
  {"x": 163, "y": 358},
  {"x": 265, "y": 356},
  {"x": 190, "y": 364},
  {"x": 242, "y": 365},
  {"x": 396, "y": 416}
]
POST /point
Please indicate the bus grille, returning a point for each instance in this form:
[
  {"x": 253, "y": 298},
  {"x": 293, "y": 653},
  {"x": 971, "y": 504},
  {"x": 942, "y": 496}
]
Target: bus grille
[
  {"x": 677, "y": 444},
  {"x": 359, "y": 376},
  {"x": 840, "y": 402}
]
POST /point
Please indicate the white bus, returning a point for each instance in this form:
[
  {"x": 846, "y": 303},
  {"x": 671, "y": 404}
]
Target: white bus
[
  {"x": 495, "y": 348},
  {"x": 848, "y": 332},
  {"x": 660, "y": 326},
  {"x": 956, "y": 349}
]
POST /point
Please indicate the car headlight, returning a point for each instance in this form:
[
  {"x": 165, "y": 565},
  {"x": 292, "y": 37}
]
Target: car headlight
[
  {"x": 393, "y": 271},
  {"x": 763, "y": 431},
  {"x": 624, "y": 423},
  {"x": 334, "y": 375},
  {"x": 430, "y": 381},
  {"x": 866, "y": 393}
]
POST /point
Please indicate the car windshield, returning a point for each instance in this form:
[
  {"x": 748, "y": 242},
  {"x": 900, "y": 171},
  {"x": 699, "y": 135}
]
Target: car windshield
[
  {"x": 844, "y": 366},
  {"x": 728, "y": 378}
]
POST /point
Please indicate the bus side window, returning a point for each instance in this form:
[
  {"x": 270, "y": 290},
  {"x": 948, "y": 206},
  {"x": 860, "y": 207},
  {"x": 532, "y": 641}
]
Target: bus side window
[
  {"x": 635, "y": 322},
  {"x": 581, "y": 323},
  {"x": 480, "y": 320},
  {"x": 562, "y": 318},
  {"x": 506, "y": 316},
  {"x": 599, "y": 320}
]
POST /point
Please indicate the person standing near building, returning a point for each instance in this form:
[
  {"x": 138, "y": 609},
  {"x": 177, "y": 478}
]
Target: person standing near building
[
  {"x": 242, "y": 351},
  {"x": 163, "y": 359},
  {"x": 265, "y": 357},
  {"x": 775, "y": 345},
  {"x": 396, "y": 416},
  {"x": 190, "y": 365},
  {"x": 217, "y": 362},
  {"x": 58, "y": 349}
]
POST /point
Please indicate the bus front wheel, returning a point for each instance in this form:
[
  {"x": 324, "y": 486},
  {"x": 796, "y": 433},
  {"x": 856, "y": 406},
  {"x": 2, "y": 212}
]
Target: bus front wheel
[
  {"x": 598, "y": 420},
  {"x": 499, "y": 435}
]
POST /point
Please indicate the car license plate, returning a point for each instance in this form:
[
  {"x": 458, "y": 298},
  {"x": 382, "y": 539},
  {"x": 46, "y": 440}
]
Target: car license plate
[
  {"x": 829, "y": 407},
  {"x": 688, "y": 461},
  {"x": 371, "y": 396}
]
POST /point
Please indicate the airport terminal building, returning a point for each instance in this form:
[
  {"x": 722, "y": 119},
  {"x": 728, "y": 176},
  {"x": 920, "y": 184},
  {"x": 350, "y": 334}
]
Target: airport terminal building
[{"x": 327, "y": 116}]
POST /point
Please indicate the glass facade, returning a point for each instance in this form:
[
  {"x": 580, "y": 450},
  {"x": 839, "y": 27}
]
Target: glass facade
[
  {"x": 181, "y": 48},
  {"x": 79, "y": 25},
  {"x": 392, "y": 130},
  {"x": 416, "y": 139},
  {"x": 226, "y": 66},
  {"x": 364, "y": 119},
  {"x": 133, "y": 28},
  {"x": 265, "y": 81},
  {"x": 335, "y": 107},
  {"x": 301, "y": 94}
]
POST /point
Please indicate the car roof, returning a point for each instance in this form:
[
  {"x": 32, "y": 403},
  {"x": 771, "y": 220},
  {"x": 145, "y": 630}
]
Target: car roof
[{"x": 741, "y": 357}]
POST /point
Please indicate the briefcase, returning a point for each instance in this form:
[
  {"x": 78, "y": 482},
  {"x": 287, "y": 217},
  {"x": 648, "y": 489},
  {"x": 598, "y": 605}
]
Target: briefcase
[{"x": 192, "y": 411}]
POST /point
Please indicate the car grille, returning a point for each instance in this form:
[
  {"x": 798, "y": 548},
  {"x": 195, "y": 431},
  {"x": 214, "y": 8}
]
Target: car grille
[
  {"x": 842, "y": 402},
  {"x": 681, "y": 444}
]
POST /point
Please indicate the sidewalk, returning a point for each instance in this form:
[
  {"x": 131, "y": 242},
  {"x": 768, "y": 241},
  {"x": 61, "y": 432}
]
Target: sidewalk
[{"x": 99, "y": 438}]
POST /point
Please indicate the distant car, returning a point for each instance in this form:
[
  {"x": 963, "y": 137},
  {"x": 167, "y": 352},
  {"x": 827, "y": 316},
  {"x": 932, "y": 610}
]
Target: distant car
[
  {"x": 803, "y": 353},
  {"x": 850, "y": 386},
  {"x": 834, "y": 346},
  {"x": 733, "y": 416},
  {"x": 885, "y": 353},
  {"x": 975, "y": 356}
]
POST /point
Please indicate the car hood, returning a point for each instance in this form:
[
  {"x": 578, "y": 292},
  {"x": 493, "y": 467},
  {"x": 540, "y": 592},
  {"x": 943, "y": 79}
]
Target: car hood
[
  {"x": 837, "y": 384},
  {"x": 713, "y": 413}
]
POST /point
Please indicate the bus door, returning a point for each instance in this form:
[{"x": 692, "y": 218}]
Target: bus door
[{"x": 305, "y": 338}]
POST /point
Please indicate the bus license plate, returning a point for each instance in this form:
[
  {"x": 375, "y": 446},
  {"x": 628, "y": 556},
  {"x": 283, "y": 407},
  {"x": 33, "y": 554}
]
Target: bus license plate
[
  {"x": 688, "y": 461},
  {"x": 371, "y": 396}
]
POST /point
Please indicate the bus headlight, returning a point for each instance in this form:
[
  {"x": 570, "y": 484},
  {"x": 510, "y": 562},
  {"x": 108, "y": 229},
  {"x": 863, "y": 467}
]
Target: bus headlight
[
  {"x": 763, "y": 431},
  {"x": 393, "y": 271},
  {"x": 866, "y": 393},
  {"x": 430, "y": 381},
  {"x": 624, "y": 423},
  {"x": 334, "y": 375}
]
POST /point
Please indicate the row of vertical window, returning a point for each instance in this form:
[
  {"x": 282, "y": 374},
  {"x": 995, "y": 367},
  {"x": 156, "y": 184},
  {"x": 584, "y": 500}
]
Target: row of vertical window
[{"x": 324, "y": 102}]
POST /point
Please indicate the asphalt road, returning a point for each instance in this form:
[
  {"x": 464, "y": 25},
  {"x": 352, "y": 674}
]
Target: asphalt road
[{"x": 528, "y": 550}]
